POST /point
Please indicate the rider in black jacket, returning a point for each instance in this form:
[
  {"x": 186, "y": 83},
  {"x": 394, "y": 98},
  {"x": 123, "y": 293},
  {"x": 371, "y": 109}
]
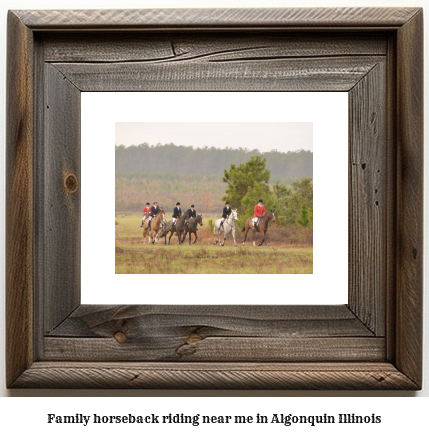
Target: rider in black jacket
[
  {"x": 154, "y": 212},
  {"x": 225, "y": 214},
  {"x": 177, "y": 213},
  {"x": 192, "y": 212}
]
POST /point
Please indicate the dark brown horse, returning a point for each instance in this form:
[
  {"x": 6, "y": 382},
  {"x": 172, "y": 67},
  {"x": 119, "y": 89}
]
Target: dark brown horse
[
  {"x": 262, "y": 227},
  {"x": 155, "y": 227},
  {"x": 192, "y": 228},
  {"x": 178, "y": 228}
]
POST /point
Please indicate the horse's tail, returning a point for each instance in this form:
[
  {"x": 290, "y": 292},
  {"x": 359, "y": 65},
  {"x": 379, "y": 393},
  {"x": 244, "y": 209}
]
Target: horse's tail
[{"x": 244, "y": 228}]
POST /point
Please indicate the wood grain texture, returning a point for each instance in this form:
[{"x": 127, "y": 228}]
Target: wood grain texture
[
  {"x": 410, "y": 199},
  {"x": 368, "y": 202},
  {"x": 207, "y": 18},
  {"x": 213, "y": 333},
  {"x": 215, "y": 376},
  {"x": 170, "y": 47},
  {"x": 330, "y": 74},
  {"x": 391, "y": 193},
  {"x": 194, "y": 348},
  {"x": 61, "y": 187},
  {"x": 98, "y": 321},
  {"x": 19, "y": 200}
]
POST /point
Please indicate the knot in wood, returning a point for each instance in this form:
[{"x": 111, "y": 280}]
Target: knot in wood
[
  {"x": 120, "y": 337},
  {"x": 193, "y": 337},
  {"x": 71, "y": 183}
]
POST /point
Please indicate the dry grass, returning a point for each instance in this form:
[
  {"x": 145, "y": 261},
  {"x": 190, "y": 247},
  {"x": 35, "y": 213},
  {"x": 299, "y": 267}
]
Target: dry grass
[
  {"x": 282, "y": 256},
  {"x": 156, "y": 259}
]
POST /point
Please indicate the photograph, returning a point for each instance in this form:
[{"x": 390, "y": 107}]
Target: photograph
[{"x": 214, "y": 198}]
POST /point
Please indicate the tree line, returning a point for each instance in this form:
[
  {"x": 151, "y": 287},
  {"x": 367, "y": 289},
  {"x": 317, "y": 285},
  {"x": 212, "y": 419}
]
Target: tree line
[
  {"x": 133, "y": 190},
  {"x": 171, "y": 158},
  {"x": 249, "y": 182}
]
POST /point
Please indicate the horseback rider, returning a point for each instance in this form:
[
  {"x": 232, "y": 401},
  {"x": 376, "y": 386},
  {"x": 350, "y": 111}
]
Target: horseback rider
[
  {"x": 259, "y": 211},
  {"x": 225, "y": 214},
  {"x": 146, "y": 209},
  {"x": 192, "y": 213},
  {"x": 153, "y": 213},
  {"x": 177, "y": 213}
]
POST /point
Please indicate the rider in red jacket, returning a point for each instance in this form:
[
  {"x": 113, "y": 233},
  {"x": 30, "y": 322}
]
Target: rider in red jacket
[
  {"x": 258, "y": 212},
  {"x": 146, "y": 209}
]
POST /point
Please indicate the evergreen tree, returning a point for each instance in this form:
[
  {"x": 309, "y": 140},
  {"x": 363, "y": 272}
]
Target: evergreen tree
[
  {"x": 290, "y": 200},
  {"x": 303, "y": 219},
  {"x": 242, "y": 178}
]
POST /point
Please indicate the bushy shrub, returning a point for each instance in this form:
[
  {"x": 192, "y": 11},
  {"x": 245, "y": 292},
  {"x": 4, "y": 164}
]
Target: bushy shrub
[{"x": 211, "y": 224}]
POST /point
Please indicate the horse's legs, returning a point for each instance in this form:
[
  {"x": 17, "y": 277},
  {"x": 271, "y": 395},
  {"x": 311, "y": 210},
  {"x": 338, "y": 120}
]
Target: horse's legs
[
  {"x": 169, "y": 238},
  {"x": 196, "y": 237},
  {"x": 218, "y": 236},
  {"x": 245, "y": 234},
  {"x": 233, "y": 236}
]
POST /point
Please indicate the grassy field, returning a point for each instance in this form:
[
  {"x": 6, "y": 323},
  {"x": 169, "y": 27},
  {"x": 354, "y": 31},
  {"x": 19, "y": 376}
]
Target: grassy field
[{"x": 132, "y": 257}]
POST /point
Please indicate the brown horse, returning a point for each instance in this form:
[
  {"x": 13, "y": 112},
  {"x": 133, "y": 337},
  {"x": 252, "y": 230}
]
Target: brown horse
[
  {"x": 262, "y": 227},
  {"x": 192, "y": 228},
  {"x": 178, "y": 228},
  {"x": 155, "y": 227}
]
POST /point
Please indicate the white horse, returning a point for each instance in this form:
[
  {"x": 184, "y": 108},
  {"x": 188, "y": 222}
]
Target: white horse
[{"x": 228, "y": 227}]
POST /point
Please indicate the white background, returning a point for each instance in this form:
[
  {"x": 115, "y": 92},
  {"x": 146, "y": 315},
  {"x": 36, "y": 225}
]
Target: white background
[
  {"x": 327, "y": 285},
  {"x": 401, "y": 414}
]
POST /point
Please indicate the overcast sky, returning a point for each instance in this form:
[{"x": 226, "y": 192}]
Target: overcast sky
[{"x": 262, "y": 136}]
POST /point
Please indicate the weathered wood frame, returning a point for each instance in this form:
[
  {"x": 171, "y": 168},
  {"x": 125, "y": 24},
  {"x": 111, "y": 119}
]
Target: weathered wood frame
[{"x": 374, "y": 342}]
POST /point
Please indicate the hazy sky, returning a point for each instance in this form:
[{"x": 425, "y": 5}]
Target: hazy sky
[{"x": 262, "y": 136}]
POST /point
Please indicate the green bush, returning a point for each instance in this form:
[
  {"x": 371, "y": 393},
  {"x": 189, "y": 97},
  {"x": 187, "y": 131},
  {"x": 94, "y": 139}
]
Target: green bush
[{"x": 211, "y": 224}]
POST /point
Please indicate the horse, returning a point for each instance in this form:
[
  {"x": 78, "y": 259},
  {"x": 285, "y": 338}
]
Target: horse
[
  {"x": 178, "y": 228},
  {"x": 155, "y": 227},
  {"x": 192, "y": 228},
  {"x": 228, "y": 227},
  {"x": 262, "y": 227}
]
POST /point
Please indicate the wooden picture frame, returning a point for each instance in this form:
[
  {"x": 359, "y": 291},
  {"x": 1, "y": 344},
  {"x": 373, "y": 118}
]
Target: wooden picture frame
[{"x": 373, "y": 342}]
